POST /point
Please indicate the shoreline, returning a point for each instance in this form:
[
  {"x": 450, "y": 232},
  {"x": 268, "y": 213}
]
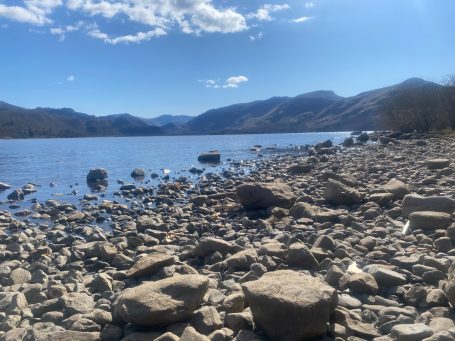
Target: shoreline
[{"x": 203, "y": 261}]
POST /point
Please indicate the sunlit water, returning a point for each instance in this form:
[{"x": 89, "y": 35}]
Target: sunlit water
[{"x": 66, "y": 162}]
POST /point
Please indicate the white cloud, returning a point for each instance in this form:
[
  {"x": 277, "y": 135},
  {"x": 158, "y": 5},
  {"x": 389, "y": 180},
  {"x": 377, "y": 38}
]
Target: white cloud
[
  {"x": 126, "y": 39},
  {"x": 61, "y": 31},
  {"x": 263, "y": 13},
  {"x": 33, "y": 12},
  {"x": 231, "y": 82},
  {"x": 301, "y": 19},
  {"x": 254, "y": 37},
  {"x": 71, "y": 78},
  {"x": 310, "y": 5},
  {"x": 191, "y": 16}
]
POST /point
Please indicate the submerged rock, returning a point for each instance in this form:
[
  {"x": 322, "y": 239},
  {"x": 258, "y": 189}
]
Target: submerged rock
[
  {"x": 211, "y": 156},
  {"x": 96, "y": 174}
]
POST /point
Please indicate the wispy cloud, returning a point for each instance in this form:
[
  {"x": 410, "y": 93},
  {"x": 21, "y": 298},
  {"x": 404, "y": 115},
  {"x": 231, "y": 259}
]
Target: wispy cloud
[
  {"x": 126, "y": 39},
  {"x": 33, "y": 12},
  {"x": 264, "y": 12},
  {"x": 71, "y": 78},
  {"x": 258, "y": 36},
  {"x": 301, "y": 19},
  {"x": 310, "y": 5}
]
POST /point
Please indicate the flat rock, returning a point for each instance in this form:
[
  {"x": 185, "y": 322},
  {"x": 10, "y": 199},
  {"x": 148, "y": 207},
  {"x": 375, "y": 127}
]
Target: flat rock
[
  {"x": 411, "y": 332},
  {"x": 414, "y": 203},
  {"x": 150, "y": 264},
  {"x": 429, "y": 220},
  {"x": 437, "y": 163},
  {"x": 163, "y": 302},
  {"x": 283, "y": 302},
  {"x": 397, "y": 188}
]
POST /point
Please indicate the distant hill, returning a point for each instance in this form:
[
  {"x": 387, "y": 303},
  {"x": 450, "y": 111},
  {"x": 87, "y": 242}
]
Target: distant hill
[
  {"x": 17, "y": 122},
  {"x": 314, "y": 111},
  {"x": 163, "y": 120}
]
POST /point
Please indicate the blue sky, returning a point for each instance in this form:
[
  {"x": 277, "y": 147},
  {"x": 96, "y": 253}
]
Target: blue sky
[{"x": 151, "y": 57}]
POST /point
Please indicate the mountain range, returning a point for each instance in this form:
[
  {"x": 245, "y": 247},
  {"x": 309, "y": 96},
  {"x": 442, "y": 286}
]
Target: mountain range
[{"x": 314, "y": 111}]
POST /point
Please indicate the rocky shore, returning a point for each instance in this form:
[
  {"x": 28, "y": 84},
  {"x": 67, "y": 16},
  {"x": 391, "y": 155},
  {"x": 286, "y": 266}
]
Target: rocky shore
[{"x": 352, "y": 242}]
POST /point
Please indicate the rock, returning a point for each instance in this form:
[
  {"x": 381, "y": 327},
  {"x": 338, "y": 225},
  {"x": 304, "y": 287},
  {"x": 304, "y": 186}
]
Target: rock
[
  {"x": 76, "y": 303},
  {"x": 190, "y": 334},
  {"x": 68, "y": 335},
  {"x": 396, "y": 187},
  {"x": 437, "y": 163},
  {"x": 348, "y": 142},
  {"x": 413, "y": 203},
  {"x": 411, "y": 332},
  {"x": 385, "y": 277},
  {"x": 206, "y": 320},
  {"x": 207, "y": 246},
  {"x": 282, "y": 303},
  {"x": 362, "y": 283},
  {"x": 428, "y": 220},
  {"x": 450, "y": 287},
  {"x": 300, "y": 168},
  {"x": 4, "y": 186},
  {"x": 150, "y": 264},
  {"x": 19, "y": 276},
  {"x": 211, "y": 156},
  {"x": 242, "y": 260},
  {"x": 163, "y": 302},
  {"x": 337, "y": 193},
  {"x": 96, "y": 174},
  {"x": 138, "y": 173},
  {"x": 16, "y": 195},
  {"x": 299, "y": 255},
  {"x": 265, "y": 195},
  {"x": 363, "y": 137}
]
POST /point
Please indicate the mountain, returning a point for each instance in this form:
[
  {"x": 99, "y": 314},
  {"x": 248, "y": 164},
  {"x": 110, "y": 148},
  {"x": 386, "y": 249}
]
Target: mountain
[
  {"x": 314, "y": 111},
  {"x": 17, "y": 122},
  {"x": 164, "y": 120}
]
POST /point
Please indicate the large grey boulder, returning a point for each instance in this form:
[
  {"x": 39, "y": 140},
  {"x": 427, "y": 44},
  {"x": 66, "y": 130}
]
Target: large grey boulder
[
  {"x": 163, "y": 302},
  {"x": 96, "y": 174},
  {"x": 265, "y": 195},
  {"x": 337, "y": 193},
  {"x": 428, "y": 220},
  {"x": 289, "y": 305},
  {"x": 413, "y": 203}
]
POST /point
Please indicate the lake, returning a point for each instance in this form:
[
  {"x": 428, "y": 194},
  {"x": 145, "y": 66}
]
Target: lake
[{"x": 66, "y": 162}]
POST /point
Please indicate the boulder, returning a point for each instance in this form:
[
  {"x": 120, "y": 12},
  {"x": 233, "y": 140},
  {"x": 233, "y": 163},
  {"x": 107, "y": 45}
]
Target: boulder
[
  {"x": 210, "y": 156},
  {"x": 164, "y": 302},
  {"x": 299, "y": 255},
  {"x": 337, "y": 193},
  {"x": 265, "y": 195},
  {"x": 428, "y": 220},
  {"x": 362, "y": 283},
  {"x": 150, "y": 265},
  {"x": 96, "y": 174},
  {"x": 396, "y": 187},
  {"x": 363, "y": 137},
  {"x": 450, "y": 287},
  {"x": 413, "y": 203},
  {"x": 437, "y": 163},
  {"x": 138, "y": 173},
  {"x": 209, "y": 245},
  {"x": 289, "y": 305},
  {"x": 300, "y": 168}
]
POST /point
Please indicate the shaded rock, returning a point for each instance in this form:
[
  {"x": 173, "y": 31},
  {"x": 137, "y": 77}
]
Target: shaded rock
[
  {"x": 163, "y": 302},
  {"x": 16, "y": 195},
  {"x": 398, "y": 188},
  {"x": 437, "y": 163},
  {"x": 337, "y": 193},
  {"x": 265, "y": 195},
  {"x": 428, "y": 220},
  {"x": 4, "y": 186},
  {"x": 209, "y": 245},
  {"x": 413, "y": 203},
  {"x": 299, "y": 255},
  {"x": 282, "y": 303},
  {"x": 211, "y": 156},
  {"x": 96, "y": 174},
  {"x": 138, "y": 173}
]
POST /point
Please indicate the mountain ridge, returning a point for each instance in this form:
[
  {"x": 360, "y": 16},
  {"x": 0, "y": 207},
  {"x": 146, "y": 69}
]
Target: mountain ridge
[{"x": 321, "y": 110}]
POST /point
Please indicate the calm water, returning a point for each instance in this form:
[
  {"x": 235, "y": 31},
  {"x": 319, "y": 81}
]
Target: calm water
[{"x": 65, "y": 162}]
